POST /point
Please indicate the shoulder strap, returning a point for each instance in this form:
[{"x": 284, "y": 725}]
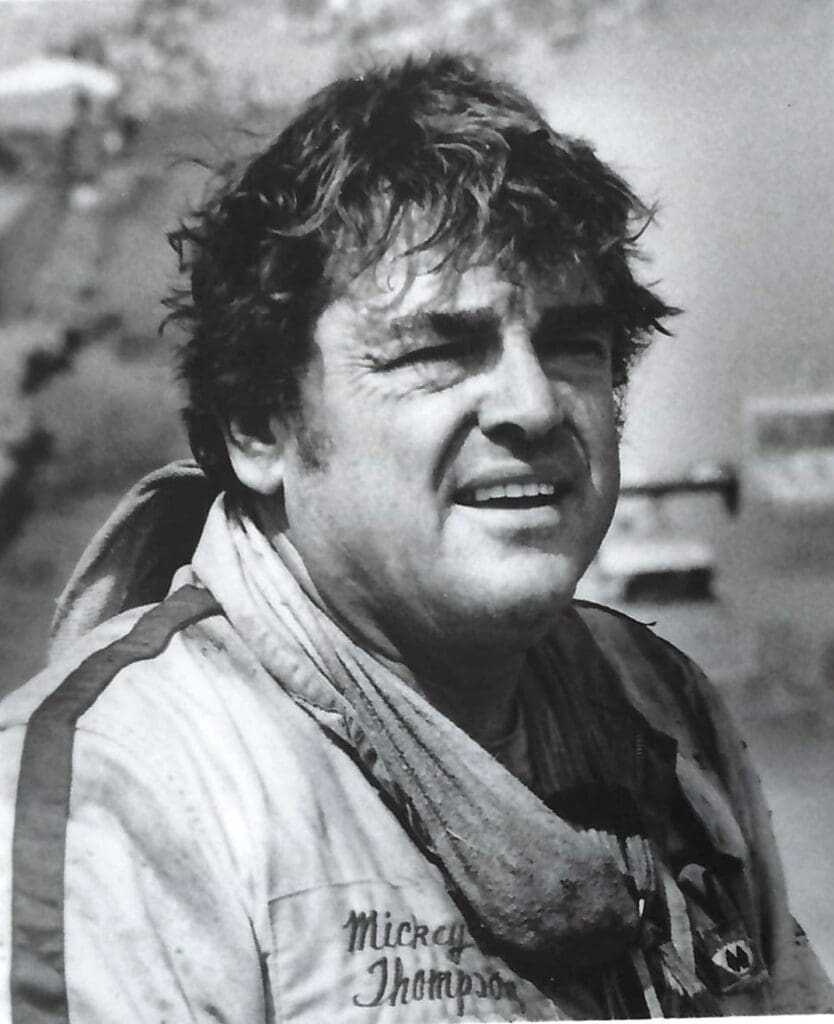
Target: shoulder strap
[{"x": 38, "y": 982}]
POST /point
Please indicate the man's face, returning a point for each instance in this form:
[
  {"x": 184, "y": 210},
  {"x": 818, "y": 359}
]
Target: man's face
[{"x": 456, "y": 466}]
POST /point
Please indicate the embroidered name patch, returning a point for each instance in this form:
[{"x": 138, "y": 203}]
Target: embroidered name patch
[
  {"x": 369, "y": 951},
  {"x": 394, "y": 985}
]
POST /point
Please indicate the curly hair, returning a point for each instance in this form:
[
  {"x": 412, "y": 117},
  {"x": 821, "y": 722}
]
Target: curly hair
[{"x": 438, "y": 136}]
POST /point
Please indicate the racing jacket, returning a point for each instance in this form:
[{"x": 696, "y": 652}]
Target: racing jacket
[{"x": 181, "y": 842}]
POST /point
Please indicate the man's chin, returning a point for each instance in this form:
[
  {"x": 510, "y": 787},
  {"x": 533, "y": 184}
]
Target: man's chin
[{"x": 522, "y": 603}]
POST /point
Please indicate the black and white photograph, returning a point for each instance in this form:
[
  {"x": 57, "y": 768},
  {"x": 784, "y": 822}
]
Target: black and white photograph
[{"x": 416, "y": 510}]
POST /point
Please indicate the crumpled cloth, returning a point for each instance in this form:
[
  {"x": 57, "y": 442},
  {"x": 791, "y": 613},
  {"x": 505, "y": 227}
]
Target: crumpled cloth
[
  {"x": 546, "y": 893},
  {"x": 536, "y": 887}
]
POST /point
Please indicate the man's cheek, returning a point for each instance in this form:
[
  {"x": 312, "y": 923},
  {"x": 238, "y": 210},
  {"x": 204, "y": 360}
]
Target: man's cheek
[{"x": 314, "y": 446}]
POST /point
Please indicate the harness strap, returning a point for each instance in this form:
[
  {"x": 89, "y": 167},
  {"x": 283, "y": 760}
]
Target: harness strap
[{"x": 38, "y": 980}]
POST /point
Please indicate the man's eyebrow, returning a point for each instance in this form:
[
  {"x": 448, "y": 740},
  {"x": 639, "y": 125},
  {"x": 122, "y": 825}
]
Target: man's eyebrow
[
  {"x": 577, "y": 316},
  {"x": 459, "y": 321},
  {"x": 451, "y": 323}
]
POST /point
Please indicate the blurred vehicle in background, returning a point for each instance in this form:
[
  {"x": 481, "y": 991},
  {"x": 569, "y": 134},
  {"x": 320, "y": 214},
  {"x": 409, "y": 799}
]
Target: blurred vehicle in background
[
  {"x": 646, "y": 557},
  {"x": 40, "y": 93},
  {"x": 50, "y": 103}
]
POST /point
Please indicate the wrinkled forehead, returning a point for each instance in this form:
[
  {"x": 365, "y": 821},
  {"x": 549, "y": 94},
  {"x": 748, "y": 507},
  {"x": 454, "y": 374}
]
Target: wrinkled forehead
[{"x": 408, "y": 277}]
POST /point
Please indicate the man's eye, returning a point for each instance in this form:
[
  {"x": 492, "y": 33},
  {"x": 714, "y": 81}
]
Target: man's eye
[
  {"x": 447, "y": 352},
  {"x": 589, "y": 347}
]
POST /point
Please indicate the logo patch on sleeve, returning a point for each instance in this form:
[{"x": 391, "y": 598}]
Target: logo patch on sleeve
[{"x": 736, "y": 957}]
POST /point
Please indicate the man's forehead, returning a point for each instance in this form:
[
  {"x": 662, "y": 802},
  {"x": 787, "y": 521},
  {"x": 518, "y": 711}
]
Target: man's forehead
[
  {"x": 410, "y": 276},
  {"x": 400, "y": 284}
]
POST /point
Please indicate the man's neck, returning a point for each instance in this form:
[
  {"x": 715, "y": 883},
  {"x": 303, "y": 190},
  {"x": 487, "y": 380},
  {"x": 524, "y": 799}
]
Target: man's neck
[
  {"x": 475, "y": 685},
  {"x": 475, "y": 688},
  {"x": 478, "y": 692}
]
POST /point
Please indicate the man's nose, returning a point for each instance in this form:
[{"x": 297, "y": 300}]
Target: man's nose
[{"x": 520, "y": 401}]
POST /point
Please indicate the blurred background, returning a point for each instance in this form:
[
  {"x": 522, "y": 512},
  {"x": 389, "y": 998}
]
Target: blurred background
[{"x": 110, "y": 111}]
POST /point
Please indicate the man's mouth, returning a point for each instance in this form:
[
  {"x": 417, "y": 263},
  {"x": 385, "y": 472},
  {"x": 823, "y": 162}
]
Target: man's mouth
[{"x": 535, "y": 494}]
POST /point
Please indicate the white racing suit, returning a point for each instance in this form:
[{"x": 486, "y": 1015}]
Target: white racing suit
[{"x": 179, "y": 842}]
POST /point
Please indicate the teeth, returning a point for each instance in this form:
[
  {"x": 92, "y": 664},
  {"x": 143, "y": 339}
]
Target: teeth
[{"x": 531, "y": 490}]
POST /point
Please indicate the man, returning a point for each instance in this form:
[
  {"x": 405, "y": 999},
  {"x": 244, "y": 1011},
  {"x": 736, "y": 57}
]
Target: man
[{"x": 368, "y": 760}]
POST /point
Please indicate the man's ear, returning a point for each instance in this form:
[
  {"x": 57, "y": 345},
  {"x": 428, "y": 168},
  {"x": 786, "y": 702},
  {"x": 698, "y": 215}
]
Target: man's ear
[{"x": 258, "y": 460}]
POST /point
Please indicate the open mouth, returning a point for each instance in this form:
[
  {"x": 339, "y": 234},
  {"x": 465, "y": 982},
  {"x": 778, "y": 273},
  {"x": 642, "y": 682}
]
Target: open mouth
[{"x": 512, "y": 496}]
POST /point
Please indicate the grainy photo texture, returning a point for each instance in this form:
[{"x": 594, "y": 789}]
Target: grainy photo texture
[{"x": 416, "y": 510}]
